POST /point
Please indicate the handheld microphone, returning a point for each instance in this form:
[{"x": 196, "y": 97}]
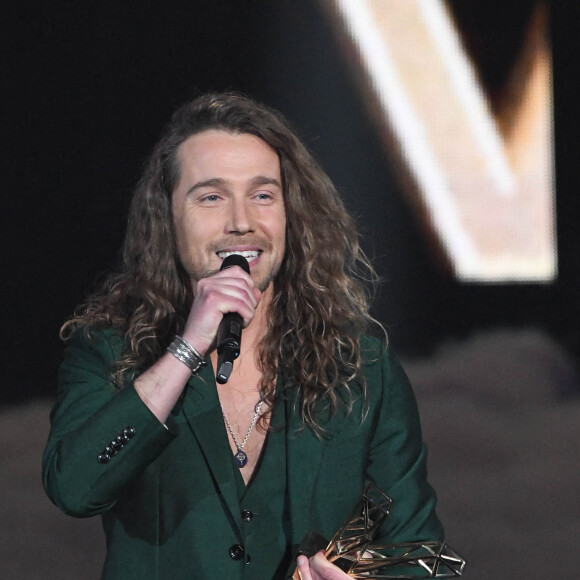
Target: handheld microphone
[{"x": 229, "y": 334}]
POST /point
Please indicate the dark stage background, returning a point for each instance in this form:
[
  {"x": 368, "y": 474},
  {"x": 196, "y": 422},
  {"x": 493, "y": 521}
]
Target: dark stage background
[{"x": 87, "y": 88}]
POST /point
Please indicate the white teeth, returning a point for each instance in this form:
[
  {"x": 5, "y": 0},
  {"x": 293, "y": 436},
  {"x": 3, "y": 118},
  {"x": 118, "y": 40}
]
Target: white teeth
[{"x": 248, "y": 254}]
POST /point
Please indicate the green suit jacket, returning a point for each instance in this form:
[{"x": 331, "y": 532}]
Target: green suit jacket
[{"x": 168, "y": 498}]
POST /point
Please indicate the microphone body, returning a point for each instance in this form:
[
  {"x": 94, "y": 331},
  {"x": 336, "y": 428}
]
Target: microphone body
[{"x": 229, "y": 334}]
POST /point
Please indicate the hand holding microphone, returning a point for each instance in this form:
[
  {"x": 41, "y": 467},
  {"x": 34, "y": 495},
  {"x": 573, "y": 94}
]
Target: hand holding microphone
[{"x": 224, "y": 303}]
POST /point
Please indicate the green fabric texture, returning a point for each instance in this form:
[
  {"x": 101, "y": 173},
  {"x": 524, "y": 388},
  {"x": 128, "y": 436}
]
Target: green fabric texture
[{"x": 170, "y": 498}]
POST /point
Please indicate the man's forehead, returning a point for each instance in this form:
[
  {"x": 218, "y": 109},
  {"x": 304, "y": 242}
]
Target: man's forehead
[
  {"x": 231, "y": 153},
  {"x": 205, "y": 137}
]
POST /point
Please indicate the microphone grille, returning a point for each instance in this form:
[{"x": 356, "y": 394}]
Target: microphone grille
[{"x": 235, "y": 260}]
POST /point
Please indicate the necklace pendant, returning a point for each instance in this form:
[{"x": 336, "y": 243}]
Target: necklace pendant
[{"x": 241, "y": 458}]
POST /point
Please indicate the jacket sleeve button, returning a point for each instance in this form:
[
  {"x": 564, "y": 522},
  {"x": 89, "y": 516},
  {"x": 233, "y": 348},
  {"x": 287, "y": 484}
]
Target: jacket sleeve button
[
  {"x": 237, "y": 552},
  {"x": 103, "y": 458},
  {"x": 129, "y": 431}
]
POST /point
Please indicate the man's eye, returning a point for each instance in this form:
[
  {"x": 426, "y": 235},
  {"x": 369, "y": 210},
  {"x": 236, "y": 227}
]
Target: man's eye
[
  {"x": 211, "y": 197},
  {"x": 263, "y": 196}
]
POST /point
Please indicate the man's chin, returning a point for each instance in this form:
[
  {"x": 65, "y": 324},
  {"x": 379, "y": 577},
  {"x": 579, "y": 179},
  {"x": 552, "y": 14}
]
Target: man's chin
[{"x": 263, "y": 285}]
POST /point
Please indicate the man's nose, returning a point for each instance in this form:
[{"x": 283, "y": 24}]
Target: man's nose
[{"x": 240, "y": 218}]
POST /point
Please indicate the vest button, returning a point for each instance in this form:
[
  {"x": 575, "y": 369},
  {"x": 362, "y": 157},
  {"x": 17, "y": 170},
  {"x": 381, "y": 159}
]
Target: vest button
[
  {"x": 247, "y": 515},
  {"x": 236, "y": 552}
]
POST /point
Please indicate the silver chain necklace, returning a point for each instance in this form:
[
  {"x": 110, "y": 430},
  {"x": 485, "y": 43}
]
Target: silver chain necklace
[{"x": 241, "y": 456}]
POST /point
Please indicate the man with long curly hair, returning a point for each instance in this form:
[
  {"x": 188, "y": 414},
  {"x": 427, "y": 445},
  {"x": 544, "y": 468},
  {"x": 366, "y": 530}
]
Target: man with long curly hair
[{"x": 195, "y": 479}]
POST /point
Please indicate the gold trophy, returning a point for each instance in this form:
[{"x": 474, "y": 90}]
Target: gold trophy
[{"x": 351, "y": 548}]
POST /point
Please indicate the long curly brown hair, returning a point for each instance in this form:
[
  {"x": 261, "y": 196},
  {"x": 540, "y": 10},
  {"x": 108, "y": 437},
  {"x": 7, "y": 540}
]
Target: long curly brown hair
[{"x": 320, "y": 304}]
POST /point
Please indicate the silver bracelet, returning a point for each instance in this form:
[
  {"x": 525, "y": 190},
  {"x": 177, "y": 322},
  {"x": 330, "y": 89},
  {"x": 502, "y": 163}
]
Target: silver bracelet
[{"x": 183, "y": 351}]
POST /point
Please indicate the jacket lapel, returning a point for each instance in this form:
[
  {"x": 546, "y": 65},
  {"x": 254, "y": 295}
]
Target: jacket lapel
[
  {"x": 204, "y": 416},
  {"x": 304, "y": 453}
]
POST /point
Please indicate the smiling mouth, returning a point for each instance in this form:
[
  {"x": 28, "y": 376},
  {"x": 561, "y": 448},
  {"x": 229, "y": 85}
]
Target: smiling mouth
[{"x": 248, "y": 254}]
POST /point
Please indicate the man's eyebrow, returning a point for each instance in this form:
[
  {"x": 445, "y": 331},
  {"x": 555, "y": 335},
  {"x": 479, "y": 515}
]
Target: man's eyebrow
[
  {"x": 213, "y": 182},
  {"x": 263, "y": 180}
]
